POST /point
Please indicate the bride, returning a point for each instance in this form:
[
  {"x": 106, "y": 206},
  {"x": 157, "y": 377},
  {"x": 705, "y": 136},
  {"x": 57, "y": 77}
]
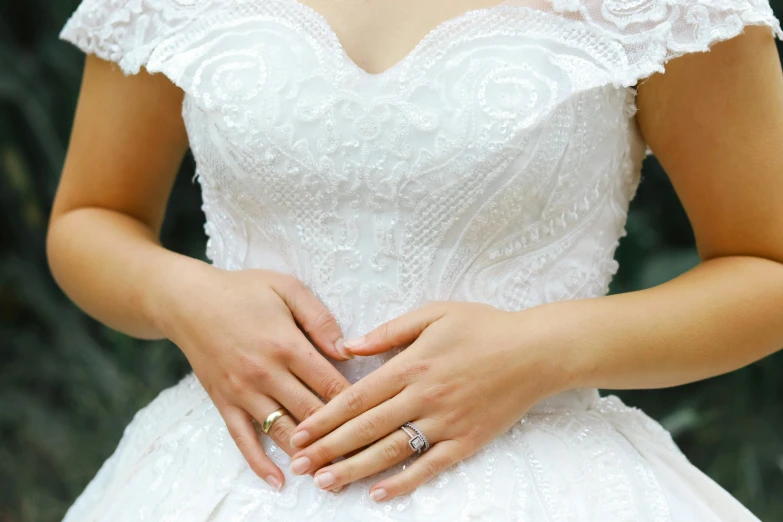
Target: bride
[{"x": 412, "y": 210}]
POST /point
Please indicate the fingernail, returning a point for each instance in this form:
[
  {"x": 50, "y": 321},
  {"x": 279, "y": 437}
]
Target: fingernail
[
  {"x": 337, "y": 489},
  {"x": 300, "y": 438},
  {"x": 274, "y": 482},
  {"x": 300, "y": 465},
  {"x": 353, "y": 343},
  {"x": 325, "y": 479},
  {"x": 378, "y": 494},
  {"x": 339, "y": 345}
]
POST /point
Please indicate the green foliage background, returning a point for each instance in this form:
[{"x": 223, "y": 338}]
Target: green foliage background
[{"x": 69, "y": 386}]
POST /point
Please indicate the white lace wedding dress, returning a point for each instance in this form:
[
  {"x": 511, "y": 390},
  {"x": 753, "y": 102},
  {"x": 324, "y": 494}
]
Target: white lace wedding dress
[{"x": 495, "y": 162}]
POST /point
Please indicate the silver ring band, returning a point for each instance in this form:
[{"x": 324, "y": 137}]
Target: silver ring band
[{"x": 417, "y": 442}]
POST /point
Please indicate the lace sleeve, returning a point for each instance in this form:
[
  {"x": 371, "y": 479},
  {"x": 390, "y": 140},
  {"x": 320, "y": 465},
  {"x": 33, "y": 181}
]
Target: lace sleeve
[
  {"x": 128, "y": 32},
  {"x": 652, "y": 32}
]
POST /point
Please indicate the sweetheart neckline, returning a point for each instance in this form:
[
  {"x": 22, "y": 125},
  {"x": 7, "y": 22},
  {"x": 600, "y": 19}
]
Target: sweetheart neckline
[{"x": 410, "y": 55}]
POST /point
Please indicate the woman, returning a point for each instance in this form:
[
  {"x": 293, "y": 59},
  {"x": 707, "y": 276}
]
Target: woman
[{"x": 412, "y": 220}]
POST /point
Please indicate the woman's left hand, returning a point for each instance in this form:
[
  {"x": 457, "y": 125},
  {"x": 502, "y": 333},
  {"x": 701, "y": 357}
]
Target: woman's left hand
[{"x": 469, "y": 372}]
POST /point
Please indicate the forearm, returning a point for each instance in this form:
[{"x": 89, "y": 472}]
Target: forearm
[
  {"x": 114, "y": 268},
  {"x": 719, "y": 316}
]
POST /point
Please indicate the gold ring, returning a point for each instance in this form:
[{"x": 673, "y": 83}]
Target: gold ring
[{"x": 271, "y": 418}]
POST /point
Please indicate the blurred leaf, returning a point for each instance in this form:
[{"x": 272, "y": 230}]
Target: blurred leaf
[{"x": 665, "y": 266}]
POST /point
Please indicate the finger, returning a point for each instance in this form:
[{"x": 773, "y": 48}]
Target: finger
[
  {"x": 426, "y": 467},
  {"x": 280, "y": 431},
  {"x": 400, "y": 331},
  {"x": 312, "y": 316},
  {"x": 354, "y": 434},
  {"x": 385, "y": 453},
  {"x": 367, "y": 393},
  {"x": 316, "y": 372},
  {"x": 296, "y": 397},
  {"x": 240, "y": 426}
]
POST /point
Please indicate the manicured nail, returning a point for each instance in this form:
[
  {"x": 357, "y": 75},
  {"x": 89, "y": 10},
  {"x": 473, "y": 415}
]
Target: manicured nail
[
  {"x": 378, "y": 494},
  {"x": 274, "y": 482},
  {"x": 300, "y": 438},
  {"x": 325, "y": 479},
  {"x": 339, "y": 345},
  {"x": 300, "y": 465},
  {"x": 353, "y": 343}
]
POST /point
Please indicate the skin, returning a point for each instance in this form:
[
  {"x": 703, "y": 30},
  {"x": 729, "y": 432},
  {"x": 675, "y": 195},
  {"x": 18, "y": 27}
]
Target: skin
[
  {"x": 715, "y": 122},
  {"x": 377, "y": 35},
  {"x": 247, "y": 342}
]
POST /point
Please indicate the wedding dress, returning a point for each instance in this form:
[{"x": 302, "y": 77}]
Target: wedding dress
[{"x": 495, "y": 162}]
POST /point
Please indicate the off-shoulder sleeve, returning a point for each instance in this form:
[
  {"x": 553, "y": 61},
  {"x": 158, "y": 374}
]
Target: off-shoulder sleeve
[
  {"x": 652, "y": 32},
  {"x": 128, "y": 32}
]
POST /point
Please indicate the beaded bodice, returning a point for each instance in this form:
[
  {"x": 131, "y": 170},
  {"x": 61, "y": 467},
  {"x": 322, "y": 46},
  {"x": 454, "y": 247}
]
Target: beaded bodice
[{"x": 495, "y": 162}]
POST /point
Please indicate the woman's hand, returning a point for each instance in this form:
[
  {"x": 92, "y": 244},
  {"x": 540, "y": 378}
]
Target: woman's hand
[
  {"x": 471, "y": 372},
  {"x": 238, "y": 330}
]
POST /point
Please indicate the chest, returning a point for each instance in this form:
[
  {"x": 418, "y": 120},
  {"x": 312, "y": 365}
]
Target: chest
[{"x": 378, "y": 34}]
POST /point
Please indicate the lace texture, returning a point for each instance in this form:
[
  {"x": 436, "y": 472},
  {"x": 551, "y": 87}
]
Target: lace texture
[{"x": 495, "y": 162}]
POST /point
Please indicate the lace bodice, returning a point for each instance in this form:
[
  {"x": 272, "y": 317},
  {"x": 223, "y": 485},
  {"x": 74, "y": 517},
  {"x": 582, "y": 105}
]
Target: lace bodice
[{"x": 495, "y": 162}]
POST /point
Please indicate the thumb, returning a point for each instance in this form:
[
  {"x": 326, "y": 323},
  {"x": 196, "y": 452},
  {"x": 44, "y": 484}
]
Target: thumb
[
  {"x": 400, "y": 331},
  {"x": 314, "y": 318}
]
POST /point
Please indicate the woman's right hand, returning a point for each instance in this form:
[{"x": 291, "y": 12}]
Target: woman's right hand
[{"x": 239, "y": 331}]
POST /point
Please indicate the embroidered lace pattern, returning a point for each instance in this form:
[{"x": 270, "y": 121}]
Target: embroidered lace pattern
[{"x": 495, "y": 162}]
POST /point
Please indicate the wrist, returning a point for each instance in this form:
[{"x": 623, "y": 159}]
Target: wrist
[
  {"x": 174, "y": 285},
  {"x": 566, "y": 339},
  {"x": 586, "y": 326}
]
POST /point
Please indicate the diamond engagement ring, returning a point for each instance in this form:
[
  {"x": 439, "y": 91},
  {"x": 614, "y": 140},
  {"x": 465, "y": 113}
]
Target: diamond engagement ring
[{"x": 418, "y": 442}]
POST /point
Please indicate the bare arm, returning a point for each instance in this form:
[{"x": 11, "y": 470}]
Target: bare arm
[
  {"x": 715, "y": 122},
  {"x": 127, "y": 143}
]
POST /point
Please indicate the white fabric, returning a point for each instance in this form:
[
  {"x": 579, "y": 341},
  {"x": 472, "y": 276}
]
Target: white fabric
[{"x": 495, "y": 162}]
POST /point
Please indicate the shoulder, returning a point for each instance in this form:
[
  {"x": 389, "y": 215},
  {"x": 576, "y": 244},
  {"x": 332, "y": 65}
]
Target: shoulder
[{"x": 128, "y": 31}]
